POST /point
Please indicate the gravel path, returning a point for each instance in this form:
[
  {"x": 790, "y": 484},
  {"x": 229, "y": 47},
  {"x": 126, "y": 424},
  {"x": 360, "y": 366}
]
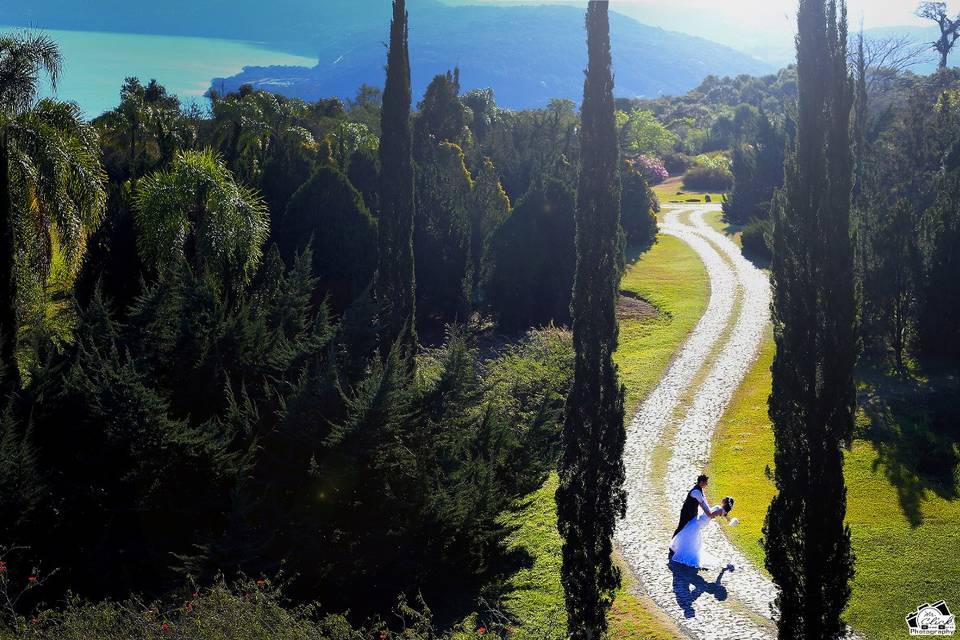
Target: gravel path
[{"x": 675, "y": 425}]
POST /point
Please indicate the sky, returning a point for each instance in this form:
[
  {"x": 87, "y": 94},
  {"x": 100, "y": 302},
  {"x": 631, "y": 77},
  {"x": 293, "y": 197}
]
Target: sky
[{"x": 762, "y": 28}]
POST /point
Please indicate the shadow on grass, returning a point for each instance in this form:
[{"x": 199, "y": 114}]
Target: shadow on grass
[
  {"x": 760, "y": 257},
  {"x": 689, "y": 585},
  {"x": 759, "y": 260},
  {"x": 634, "y": 252},
  {"x": 914, "y": 425}
]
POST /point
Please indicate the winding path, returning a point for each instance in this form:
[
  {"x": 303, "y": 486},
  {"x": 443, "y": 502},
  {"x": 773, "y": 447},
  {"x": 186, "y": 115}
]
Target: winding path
[{"x": 668, "y": 444}]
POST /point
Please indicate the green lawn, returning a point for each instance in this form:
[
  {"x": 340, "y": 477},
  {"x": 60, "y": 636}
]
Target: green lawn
[
  {"x": 906, "y": 548},
  {"x": 674, "y": 191},
  {"x": 715, "y": 220},
  {"x": 672, "y": 278}
]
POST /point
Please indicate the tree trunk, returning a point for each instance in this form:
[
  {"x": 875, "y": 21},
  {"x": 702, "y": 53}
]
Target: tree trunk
[{"x": 8, "y": 281}]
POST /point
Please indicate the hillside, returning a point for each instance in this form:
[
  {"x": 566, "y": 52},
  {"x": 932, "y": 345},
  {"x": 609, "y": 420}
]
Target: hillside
[{"x": 528, "y": 54}]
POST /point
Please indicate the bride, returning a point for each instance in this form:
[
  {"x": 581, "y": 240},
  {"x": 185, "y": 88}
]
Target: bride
[{"x": 687, "y": 546}]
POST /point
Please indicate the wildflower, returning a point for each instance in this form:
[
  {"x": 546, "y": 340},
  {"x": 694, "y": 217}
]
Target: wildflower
[
  {"x": 165, "y": 627},
  {"x": 32, "y": 579},
  {"x": 482, "y": 630},
  {"x": 3, "y": 567},
  {"x": 261, "y": 583},
  {"x": 383, "y": 635},
  {"x": 189, "y": 607},
  {"x": 35, "y": 621}
]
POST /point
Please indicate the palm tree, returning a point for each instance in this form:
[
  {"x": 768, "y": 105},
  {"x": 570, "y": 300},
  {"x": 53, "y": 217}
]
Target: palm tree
[
  {"x": 249, "y": 125},
  {"x": 52, "y": 185},
  {"x": 195, "y": 210},
  {"x": 147, "y": 127}
]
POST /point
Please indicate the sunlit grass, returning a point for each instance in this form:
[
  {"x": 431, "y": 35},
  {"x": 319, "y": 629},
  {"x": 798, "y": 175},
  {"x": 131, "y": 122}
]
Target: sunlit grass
[
  {"x": 674, "y": 191},
  {"x": 898, "y": 566},
  {"x": 673, "y": 279}
]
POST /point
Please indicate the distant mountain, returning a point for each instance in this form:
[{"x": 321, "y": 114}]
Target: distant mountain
[{"x": 527, "y": 54}]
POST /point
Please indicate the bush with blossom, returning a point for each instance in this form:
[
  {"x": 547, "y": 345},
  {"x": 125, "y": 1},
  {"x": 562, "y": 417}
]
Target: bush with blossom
[{"x": 652, "y": 168}]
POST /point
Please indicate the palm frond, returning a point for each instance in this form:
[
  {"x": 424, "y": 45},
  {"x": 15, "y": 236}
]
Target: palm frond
[
  {"x": 56, "y": 175},
  {"x": 24, "y": 56},
  {"x": 199, "y": 197}
]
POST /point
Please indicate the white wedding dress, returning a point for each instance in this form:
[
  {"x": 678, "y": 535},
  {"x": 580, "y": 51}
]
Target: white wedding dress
[{"x": 687, "y": 546}]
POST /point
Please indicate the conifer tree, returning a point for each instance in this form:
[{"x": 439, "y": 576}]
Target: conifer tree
[
  {"x": 813, "y": 400},
  {"x": 590, "y": 497},
  {"x": 395, "y": 281}
]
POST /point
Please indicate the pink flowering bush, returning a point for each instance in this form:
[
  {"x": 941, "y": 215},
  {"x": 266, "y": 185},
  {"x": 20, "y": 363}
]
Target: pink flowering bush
[{"x": 651, "y": 168}]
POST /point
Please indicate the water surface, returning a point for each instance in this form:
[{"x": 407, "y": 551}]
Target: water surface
[{"x": 95, "y": 64}]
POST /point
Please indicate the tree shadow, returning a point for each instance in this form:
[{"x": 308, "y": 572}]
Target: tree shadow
[
  {"x": 635, "y": 251},
  {"x": 689, "y": 585},
  {"x": 914, "y": 425},
  {"x": 759, "y": 260}
]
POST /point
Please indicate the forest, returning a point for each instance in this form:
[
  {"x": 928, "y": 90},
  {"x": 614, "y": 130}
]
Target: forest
[{"x": 281, "y": 369}]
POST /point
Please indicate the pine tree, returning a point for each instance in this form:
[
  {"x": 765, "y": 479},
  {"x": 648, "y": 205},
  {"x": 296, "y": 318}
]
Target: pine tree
[
  {"x": 395, "y": 281},
  {"x": 329, "y": 213},
  {"x": 531, "y": 259},
  {"x": 22, "y": 489},
  {"x": 813, "y": 400},
  {"x": 590, "y": 497}
]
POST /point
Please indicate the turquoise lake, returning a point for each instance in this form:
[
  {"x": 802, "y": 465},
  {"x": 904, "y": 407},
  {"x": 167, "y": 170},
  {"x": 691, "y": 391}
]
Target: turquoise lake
[{"x": 95, "y": 64}]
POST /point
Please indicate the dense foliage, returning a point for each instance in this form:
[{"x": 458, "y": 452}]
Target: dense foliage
[
  {"x": 531, "y": 259},
  {"x": 214, "y": 368}
]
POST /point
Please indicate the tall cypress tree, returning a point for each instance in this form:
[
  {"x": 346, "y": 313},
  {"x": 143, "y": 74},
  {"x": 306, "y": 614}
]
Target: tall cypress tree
[
  {"x": 395, "y": 275},
  {"x": 813, "y": 400},
  {"x": 590, "y": 497}
]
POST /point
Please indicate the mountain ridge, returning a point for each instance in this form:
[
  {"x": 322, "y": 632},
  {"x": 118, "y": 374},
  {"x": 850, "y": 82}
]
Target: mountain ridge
[{"x": 527, "y": 54}]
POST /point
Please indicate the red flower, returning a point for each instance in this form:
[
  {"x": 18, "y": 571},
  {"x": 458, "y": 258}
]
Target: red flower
[
  {"x": 189, "y": 607},
  {"x": 261, "y": 583},
  {"x": 164, "y": 627},
  {"x": 482, "y": 630},
  {"x": 32, "y": 579},
  {"x": 194, "y": 595},
  {"x": 35, "y": 621},
  {"x": 383, "y": 635},
  {"x": 3, "y": 567}
]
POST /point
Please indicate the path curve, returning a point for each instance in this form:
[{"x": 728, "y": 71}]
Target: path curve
[{"x": 678, "y": 420}]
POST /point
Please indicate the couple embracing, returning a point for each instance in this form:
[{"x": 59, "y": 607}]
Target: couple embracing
[{"x": 687, "y": 547}]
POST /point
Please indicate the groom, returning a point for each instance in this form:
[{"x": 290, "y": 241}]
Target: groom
[{"x": 695, "y": 499}]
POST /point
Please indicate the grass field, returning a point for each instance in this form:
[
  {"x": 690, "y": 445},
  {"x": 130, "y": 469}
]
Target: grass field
[
  {"x": 905, "y": 548},
  {"x": 672, "y": 278},
  {"x": 673, "y": 190}
]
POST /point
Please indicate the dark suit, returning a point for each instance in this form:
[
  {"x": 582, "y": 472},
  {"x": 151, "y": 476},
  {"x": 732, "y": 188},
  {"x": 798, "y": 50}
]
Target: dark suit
[{"x": 689, "y": 510}]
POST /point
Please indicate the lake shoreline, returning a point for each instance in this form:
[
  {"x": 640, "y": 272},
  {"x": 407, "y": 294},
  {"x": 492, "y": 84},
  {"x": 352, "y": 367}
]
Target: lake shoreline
[{"x": 97, "y": 62}]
